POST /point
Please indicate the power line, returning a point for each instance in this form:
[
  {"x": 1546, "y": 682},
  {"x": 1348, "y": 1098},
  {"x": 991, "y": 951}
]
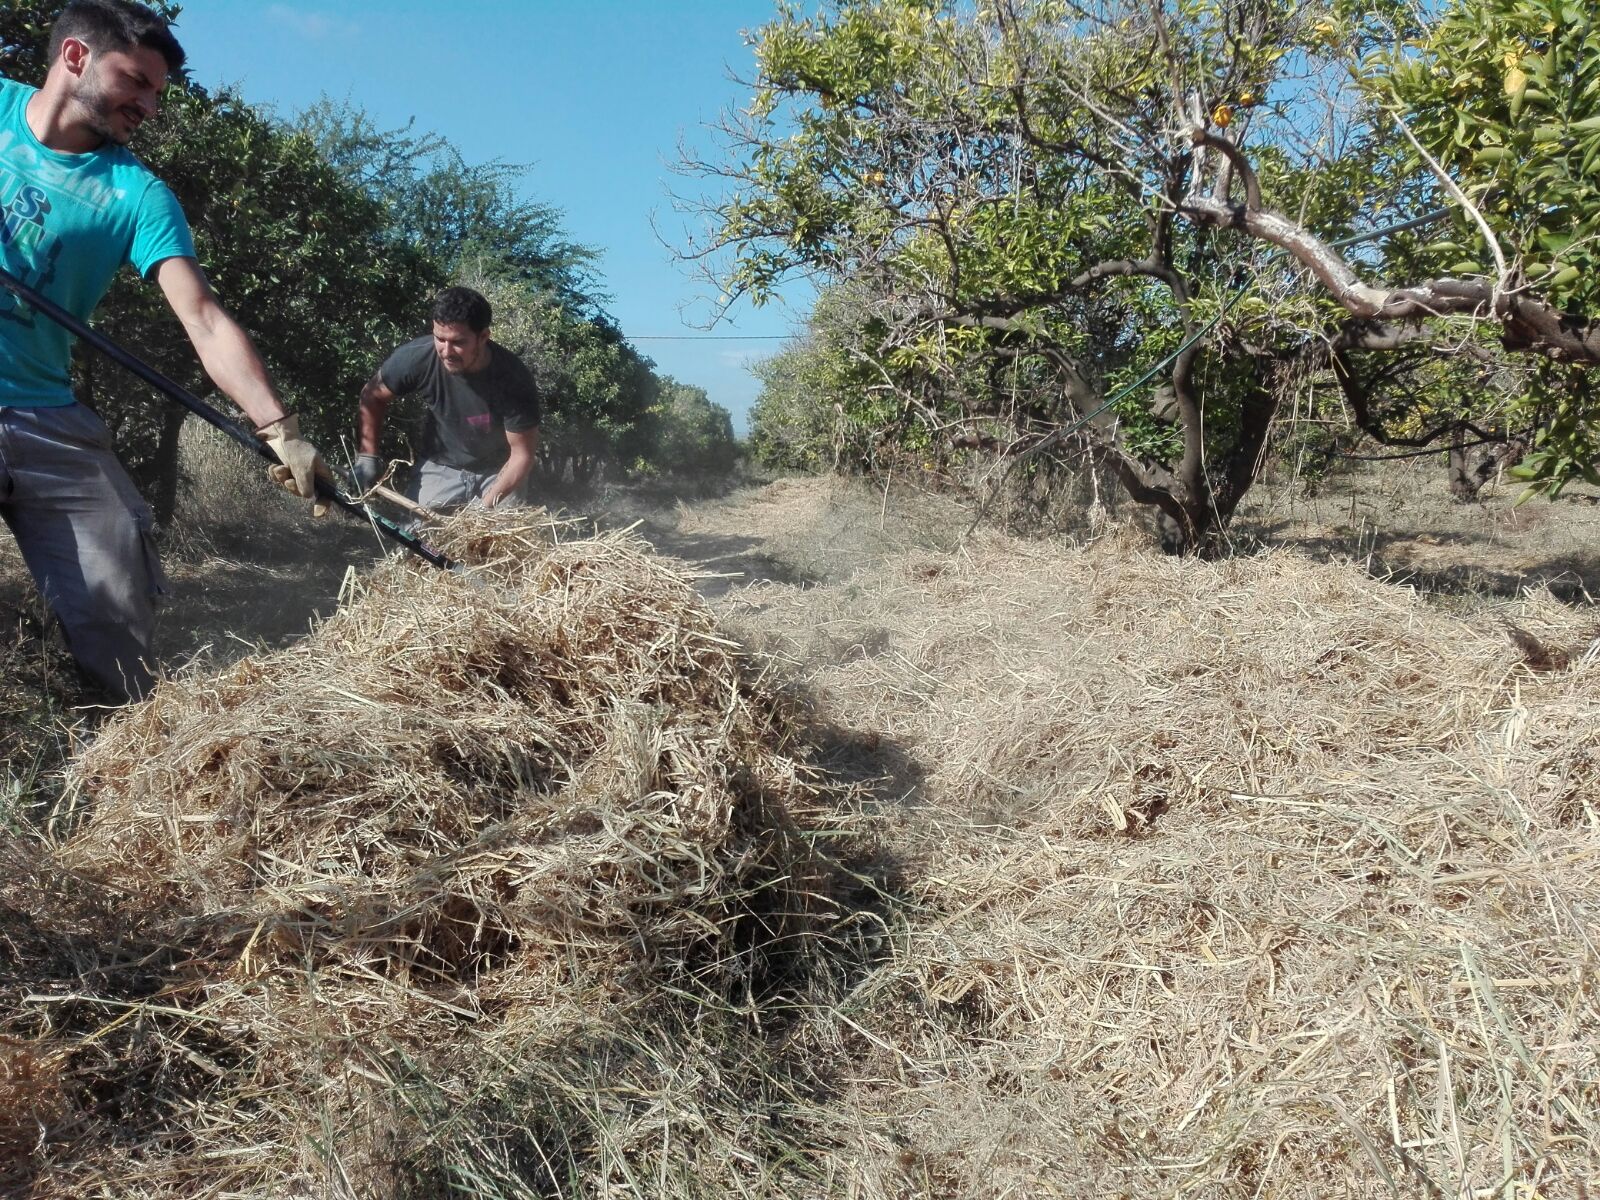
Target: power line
[{"x": 1356, "y": 239}]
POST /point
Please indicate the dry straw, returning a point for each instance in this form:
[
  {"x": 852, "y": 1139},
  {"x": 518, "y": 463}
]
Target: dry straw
[
  {"x": 1256, "y": 878},
  {"x": 419, "y": 904}
]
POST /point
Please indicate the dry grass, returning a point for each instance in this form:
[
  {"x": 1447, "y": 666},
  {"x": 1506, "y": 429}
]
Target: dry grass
[
  {"x": 1399, "y": 522},
  {"x": 443, "y": 898},
  {"x": 227, "y": 507},
  {"x": 1252, "y": 878}
]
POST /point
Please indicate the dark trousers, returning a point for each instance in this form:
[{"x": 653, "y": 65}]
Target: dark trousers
[{"x": 87, "y": 537}]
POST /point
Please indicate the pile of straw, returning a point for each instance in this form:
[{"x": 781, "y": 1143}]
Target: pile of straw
[
  {"x": 1237, "y": 879},
  {"x": 435, "y": 899}
]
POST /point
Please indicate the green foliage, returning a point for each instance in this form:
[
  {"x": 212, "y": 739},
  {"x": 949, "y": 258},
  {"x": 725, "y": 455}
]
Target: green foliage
[
  {"x": 1566, "y": 446},
  {"x": 817, "y": 407},
  {"x": 599, "y": 393},
  {"x": 789, "y": 423},
  {"x": 688, "y": 434},
  {"x": 1505, "y": 94},
  {"x": 1000, "y": 183},
  {"x": 990, "y": 185},
  {"x": 468, "y": 216},
  {"x": 608, "y": 390}
]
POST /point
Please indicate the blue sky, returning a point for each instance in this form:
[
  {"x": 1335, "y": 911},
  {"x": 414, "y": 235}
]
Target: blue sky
[{"x": 595, "y": 95}]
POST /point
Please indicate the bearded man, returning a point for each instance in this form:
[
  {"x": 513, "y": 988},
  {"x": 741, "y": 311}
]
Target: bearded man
[
  {"x": 75, "y": 207},
  {"x": 483, "y": 410}
]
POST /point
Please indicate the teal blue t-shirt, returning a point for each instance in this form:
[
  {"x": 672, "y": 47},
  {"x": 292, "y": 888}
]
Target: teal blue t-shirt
[{"x": 68, "y": 222}]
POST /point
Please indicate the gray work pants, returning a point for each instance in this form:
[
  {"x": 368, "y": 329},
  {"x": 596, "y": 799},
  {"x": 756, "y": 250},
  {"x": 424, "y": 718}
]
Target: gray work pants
[
  {"x": 87, "y": 537},
  {"x": 445, "y": 489}
]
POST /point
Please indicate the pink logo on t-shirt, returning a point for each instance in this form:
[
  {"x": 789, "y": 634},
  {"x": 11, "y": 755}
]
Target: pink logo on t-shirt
[{"x": 480, "y": 421}]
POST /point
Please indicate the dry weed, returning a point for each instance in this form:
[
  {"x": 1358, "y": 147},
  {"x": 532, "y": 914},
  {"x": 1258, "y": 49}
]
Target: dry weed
[{"x": 1253, "y": 878}]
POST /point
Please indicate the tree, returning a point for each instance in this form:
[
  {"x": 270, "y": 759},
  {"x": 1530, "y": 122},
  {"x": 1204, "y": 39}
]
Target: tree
[
  {"x": 1039, "y": 200},
  {"x": 1001, "y": 186},
  {"x": 468, "y": 216},
  {"x": 687, "y": 434},
  {"x": 823, "y": 404}
]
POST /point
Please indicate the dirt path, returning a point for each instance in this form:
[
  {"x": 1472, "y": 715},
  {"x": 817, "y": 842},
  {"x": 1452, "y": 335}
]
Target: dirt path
[
  {"x": 1395, "y": 521},
  {"x": 795, "y": 533}
]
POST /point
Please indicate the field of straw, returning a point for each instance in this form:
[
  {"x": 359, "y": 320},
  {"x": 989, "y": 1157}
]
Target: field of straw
[
  {"x": 988, "y": 868},
  {"x": 1248, "y": 878}
]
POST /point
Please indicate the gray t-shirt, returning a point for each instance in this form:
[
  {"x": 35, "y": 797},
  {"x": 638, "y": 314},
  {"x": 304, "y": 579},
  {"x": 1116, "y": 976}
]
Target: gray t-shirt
[{"x": 469, "y": 415}]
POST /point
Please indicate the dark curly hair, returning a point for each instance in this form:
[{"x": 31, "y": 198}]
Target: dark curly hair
[{"x": 462, "y": 306}]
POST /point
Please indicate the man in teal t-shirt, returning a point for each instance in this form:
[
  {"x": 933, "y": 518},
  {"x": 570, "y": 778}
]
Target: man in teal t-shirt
[{"x": 75, "y": 206}]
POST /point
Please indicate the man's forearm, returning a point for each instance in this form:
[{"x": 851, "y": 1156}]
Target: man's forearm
[
  {"x": 369, "y": 422},
  {"x": 234, "y": 365},
  {"x": 515, "y": 470},
  {"x": 226, "y": 351}
]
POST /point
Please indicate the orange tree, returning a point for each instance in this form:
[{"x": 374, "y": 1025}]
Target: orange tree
[
  {"x": 1004, "y": 187},
  {"x": 1040, "y": 199}
]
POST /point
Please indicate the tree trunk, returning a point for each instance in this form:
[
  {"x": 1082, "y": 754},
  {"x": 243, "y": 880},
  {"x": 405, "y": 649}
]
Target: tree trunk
[
  {"x": 1467, "y": 481},
  {"x": 1242, "y": 465},
  {"x": 1464, "y": 484},
  {"x": 1177, "y": 537},
  {"x": 164, "y": 467},
  {"x": 1501, "y": 458}
]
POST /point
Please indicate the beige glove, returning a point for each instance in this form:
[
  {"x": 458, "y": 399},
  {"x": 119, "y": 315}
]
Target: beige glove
[{"x": 301, "y": 465}]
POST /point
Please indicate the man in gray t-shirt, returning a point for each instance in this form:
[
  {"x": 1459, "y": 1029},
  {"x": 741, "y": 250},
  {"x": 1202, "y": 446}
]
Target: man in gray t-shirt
[{"x": 483, "y": 410}]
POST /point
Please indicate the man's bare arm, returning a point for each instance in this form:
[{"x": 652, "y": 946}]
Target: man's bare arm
[
  {"x": 375, "y": 399},
  {"x": 523, "y": 446},
  {"x": 231, "y": 359},
  {"x": 226, "y": 351}
]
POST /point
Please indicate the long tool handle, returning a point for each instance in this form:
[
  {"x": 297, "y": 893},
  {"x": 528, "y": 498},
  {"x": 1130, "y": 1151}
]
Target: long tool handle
[
  {"x": 177, "y": 392},
  {"x": 405, "y": 502}
]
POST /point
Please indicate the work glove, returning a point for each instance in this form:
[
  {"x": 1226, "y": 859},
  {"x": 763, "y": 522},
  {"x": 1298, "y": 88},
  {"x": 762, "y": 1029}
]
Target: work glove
[
  {"x": 368, "y": 471},
  {"x": 300, "y": 466}
]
